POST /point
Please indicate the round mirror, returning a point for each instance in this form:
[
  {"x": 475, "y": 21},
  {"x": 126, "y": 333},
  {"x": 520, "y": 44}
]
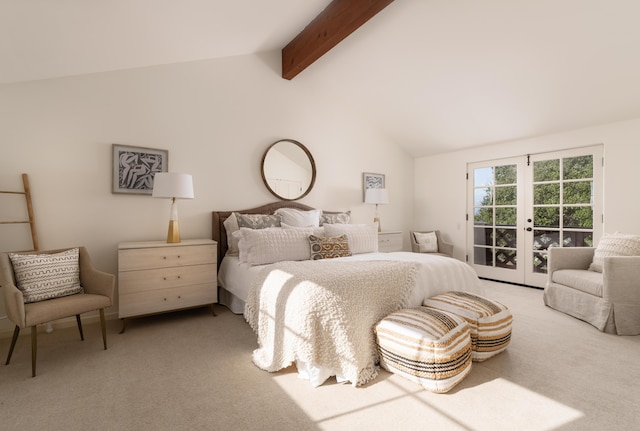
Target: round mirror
[{"x": 288, "y": 170}]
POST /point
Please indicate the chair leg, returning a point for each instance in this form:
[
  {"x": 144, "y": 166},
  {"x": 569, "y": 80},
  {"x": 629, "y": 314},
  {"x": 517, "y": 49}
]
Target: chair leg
[
  {"x": 104, "y": 328},
  {"x": 13, "y": 343},
  {"x": 80, "y": 327},
  {"x": 34, "y": 349}
]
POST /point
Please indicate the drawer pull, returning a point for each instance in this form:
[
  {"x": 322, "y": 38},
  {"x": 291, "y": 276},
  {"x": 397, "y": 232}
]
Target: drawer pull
[
  {"x": 164, "y": 278},
  {"x": 164, "y": 257},
  {"x": 165, "y": 299},
  {"x": 179, "y": 297}
]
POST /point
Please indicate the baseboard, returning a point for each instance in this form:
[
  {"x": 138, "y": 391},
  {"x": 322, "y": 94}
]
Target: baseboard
[{"x": 87, "y": 318}]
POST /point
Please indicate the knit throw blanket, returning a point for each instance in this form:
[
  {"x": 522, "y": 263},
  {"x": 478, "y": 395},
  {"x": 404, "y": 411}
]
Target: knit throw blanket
[{"x": 323, "y": 313}]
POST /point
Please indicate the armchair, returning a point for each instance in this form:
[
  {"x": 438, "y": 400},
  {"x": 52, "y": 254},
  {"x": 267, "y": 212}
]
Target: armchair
[
  {"x": 98, "y": 290},
  {"x": 444, "y": 248},
  {"x": 608, "y": 300}
]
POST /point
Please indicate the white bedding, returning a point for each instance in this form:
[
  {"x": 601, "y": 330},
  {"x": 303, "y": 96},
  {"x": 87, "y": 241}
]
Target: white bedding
[{"x": 438, "y": 274}]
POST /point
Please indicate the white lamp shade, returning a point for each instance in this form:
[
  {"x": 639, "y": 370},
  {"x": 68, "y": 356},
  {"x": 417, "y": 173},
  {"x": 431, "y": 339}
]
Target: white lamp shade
[
  {"x": 376, "y": 196},
  {"x": 172, "y": 185}
]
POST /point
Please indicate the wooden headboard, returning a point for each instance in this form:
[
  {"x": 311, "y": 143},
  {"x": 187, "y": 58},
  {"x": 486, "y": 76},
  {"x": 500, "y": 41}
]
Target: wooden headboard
[{"x": 219, "y": 233}]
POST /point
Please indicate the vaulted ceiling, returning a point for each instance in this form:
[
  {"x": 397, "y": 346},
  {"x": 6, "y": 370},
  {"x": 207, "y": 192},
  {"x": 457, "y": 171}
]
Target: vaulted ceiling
[{"x": 431, "y": 75}]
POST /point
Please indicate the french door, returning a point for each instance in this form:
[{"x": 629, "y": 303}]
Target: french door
[{"x": 521, "y": 206}]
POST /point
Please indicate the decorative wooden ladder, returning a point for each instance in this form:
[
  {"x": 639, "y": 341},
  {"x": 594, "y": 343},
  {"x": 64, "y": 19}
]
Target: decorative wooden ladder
[{"x": 31, "y": 220}]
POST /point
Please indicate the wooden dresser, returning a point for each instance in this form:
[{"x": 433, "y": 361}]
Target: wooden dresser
[{"x": 156, "y": 277}]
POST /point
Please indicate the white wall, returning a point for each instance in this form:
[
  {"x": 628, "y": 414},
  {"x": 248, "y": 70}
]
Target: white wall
[
  {"x": 216, "y": 118},
  {"x": 440, "y": 184}
]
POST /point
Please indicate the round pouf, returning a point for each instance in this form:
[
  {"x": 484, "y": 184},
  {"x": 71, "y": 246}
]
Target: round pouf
[
  {"x": 490, "y": 321},
  {"x": 424, "y": 345}
]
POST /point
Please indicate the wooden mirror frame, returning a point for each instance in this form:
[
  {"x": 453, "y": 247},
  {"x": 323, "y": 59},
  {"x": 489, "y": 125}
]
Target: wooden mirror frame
[{"x": 311, "y": 162}]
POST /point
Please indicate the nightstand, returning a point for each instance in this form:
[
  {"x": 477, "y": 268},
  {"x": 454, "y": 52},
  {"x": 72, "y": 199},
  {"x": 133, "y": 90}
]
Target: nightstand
[
  {"x": 389, "y": 241},
  {"x": 157, "y": 277}
]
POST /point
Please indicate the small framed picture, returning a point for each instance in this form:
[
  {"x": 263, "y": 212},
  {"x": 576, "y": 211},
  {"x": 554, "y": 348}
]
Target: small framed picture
[
  {"x": 135, "y": 167},
  {"x": 372, "y": 181}
]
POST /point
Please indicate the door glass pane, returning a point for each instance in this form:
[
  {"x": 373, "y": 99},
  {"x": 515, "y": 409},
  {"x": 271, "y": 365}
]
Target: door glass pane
[
  {"x": 578, "y": 192},
  {"x": 575, "y": 168},
  {"x": 506, "y": 216},
  {"x": 540, "y": 262},
  {"x": 483, "y": 216},
  {"x": 506, "y": 174},
  {"x": 483, "y": 236},
  {"x": 543, "y": 239},
  {"x": 506, "y": 258},
  {"x": 506, "y": 238},
  {"x": 506, "y": 195},
  {"x": 483, "y": 256},
  {"x": 577, "y": 239},
  {"x": 483, "y": 177},
  {"x": 546, "y": 194},
  {"x": 578, "y": 217},
  {"x": 482, "y": 197},
  {"x": 546, "y": 170},
  {"x": 546, "y": 217}
]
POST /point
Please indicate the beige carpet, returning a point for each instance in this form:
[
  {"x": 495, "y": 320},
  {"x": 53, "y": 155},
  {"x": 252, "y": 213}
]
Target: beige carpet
[{"x": 189, "y": 370}]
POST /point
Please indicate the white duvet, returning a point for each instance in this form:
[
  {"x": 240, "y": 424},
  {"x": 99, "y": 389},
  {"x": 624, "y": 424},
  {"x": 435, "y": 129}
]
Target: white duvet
[{"x": 437, "y": 274}]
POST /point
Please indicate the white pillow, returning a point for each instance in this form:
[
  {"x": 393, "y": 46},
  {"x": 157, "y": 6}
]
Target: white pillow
[
  {"x": 363, "y": 238},
  {"x": 231, "y": 226},
  {"x": 262, "y": 246},
  {"x": 617, "y": 244},
  {"x": 427, "y": 242},
  {"x": 317, "y": 231},
  {"x": 299, "y": 218},
  {"x": 254, "y": 221}
]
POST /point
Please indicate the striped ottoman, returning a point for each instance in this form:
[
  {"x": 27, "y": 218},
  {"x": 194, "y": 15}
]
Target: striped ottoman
[
  {"x": 490, "y": 321},
  {"x": 424, "y": 345}
]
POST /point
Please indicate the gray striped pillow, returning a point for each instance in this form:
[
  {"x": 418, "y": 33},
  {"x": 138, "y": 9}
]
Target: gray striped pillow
[{"x": 47, "y": 276}]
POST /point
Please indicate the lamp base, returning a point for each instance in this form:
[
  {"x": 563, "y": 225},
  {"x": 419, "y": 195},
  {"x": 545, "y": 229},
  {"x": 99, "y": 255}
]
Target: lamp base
[
  {"x": 377, "y": 220},
  {"x": 174, "y": 232}
]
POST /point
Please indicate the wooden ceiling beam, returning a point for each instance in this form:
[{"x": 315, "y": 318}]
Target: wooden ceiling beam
[{"x": 334, "y": 24}]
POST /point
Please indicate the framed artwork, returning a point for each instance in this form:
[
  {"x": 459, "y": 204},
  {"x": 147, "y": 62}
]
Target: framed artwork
[
  {"x": 135, "y": 167},
  {"x": 372, "y": 181}
]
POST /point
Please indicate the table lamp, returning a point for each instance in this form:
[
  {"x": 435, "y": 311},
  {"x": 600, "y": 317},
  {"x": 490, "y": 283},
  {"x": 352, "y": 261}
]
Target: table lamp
[
  {"x": 173, "y": 186},
  {"x": 376, "y": 196}
]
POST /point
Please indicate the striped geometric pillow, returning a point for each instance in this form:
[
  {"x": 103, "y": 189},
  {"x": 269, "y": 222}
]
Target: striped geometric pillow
[{"x": 46, "y": 276}]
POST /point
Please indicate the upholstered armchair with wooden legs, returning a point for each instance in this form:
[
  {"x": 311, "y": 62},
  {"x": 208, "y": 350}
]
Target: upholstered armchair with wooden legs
[{"x": 97, "y": 294}]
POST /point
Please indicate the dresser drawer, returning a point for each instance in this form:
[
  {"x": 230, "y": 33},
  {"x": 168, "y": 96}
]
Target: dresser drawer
[
  {"x": 165, "y": 278},
  {"x": 162, "y": 257},
  {"x": 389, "y": 241},
  {"x": 156, "y": 301}
]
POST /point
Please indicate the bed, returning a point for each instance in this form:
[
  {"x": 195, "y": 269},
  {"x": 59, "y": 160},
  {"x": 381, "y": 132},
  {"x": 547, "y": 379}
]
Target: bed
[{"x": 319, "y": 314}]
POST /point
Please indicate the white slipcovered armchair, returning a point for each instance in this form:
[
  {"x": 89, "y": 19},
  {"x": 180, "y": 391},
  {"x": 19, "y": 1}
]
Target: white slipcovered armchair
[{"x": 608, "y": 300}]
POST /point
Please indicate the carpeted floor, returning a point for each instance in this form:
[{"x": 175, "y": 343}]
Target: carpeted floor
[{"x": 189, "y": 370}]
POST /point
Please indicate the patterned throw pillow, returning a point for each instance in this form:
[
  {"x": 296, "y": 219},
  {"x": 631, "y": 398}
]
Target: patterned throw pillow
[
  {"x": 331, "y": 218},
  {"x": 328, "y": 248},
  {"x": 258, "y": 221},
  {"x": 617, "y": 244},
  {"x": 47, "y": 276}
]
